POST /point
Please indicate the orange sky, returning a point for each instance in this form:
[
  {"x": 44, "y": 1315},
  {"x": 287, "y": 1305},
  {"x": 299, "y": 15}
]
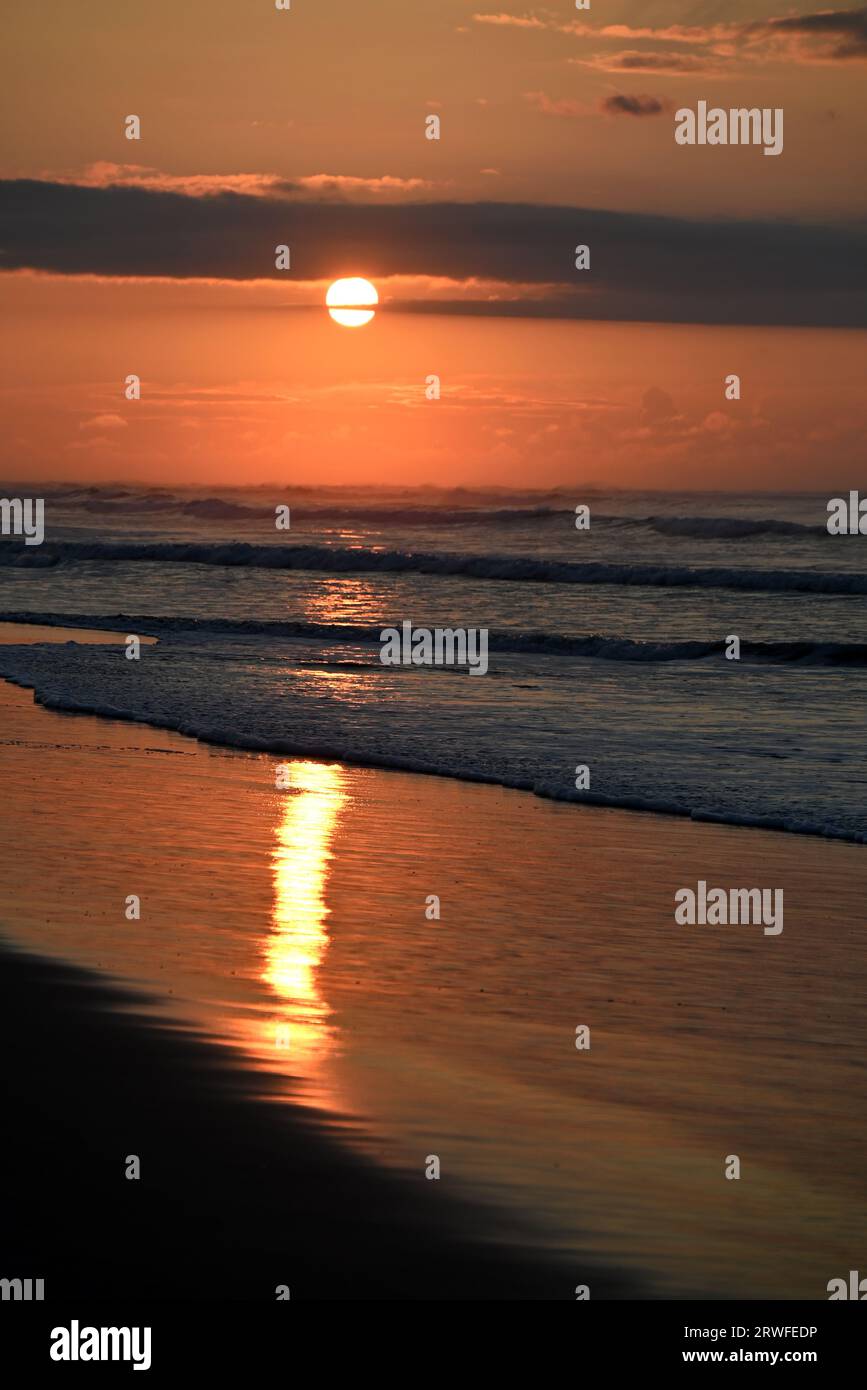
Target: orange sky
[
  {"x": 246, "y": 394},
  {"x": 241, "y": 384},
  {"x": 341, "y": 88}
]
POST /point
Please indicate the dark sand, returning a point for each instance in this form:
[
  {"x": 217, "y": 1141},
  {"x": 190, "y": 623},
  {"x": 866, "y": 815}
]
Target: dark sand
[{"x": 236, "y": 1197}]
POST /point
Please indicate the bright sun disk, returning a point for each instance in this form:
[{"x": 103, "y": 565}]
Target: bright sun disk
[{"x": 347, "y": 301}]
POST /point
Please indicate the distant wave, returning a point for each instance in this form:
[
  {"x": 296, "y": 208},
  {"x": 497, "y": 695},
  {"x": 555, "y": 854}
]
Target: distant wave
[
  {"x": 219, "y": 509},
  {"x": 514, "y": 568},
  {"x": 119, "y": 501},
  {"x": 594, "y": 646},
  {"x": 729, "y": 527},
  {"x": 123, "y": 501}
]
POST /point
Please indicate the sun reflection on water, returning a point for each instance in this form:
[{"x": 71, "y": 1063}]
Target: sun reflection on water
[{"x": 296, "y": 947}]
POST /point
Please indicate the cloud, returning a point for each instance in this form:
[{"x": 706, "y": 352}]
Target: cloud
[
  {"x": 643, "y": 267},
  {"x": 104, "y": 422},
  {"x": 825, "y": 36},
  {"x": 617, "y": 105},
  {"x": 512, "y": 21},
  {"x": 661, "y": 64},
  {"x": 673, "y": 33},
  {"x": 828, "y": 36},
  {"x": 621, "y": 105},
  {"x": 350, "y": 183},
  {"x": 557, "y": 106},
  {"x": 104, "y": 174}
]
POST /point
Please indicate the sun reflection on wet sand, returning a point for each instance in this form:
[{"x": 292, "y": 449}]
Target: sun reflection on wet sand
[{"x": 296, "y": 947}]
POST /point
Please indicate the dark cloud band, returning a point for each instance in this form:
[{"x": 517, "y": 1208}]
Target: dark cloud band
[{"x": 642, "y": 267}]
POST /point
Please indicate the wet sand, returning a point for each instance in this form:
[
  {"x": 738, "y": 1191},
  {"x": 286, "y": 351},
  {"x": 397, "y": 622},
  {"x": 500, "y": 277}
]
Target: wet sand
[{"x": 288, "y": 925}]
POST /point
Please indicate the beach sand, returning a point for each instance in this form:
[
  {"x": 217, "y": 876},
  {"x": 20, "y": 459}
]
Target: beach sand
[{"x": 288, "y": 926}]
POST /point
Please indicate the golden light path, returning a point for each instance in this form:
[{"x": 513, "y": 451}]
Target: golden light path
[
  {"x": 347, "y": 301},
  {"x": 299, "y": 939}
]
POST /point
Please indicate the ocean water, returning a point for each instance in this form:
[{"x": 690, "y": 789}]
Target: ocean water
[{"x": 607, "y": 645}]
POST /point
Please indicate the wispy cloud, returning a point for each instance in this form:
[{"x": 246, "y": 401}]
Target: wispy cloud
[
  {"x": 672, "y": 33},
  {"x": 823, "y": 37},
  {"x": 512, "y": 21},
  {"x": 352, "y": 184},
  {"x": 830, "y": 36},
  {"x": 827, "y": 36},
  {"x": 104, "y": 174},
  {"x": 660, "y": 64}
]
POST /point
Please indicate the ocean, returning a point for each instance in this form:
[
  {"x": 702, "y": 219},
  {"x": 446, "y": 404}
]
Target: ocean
[{"x": 607, "y": 644}]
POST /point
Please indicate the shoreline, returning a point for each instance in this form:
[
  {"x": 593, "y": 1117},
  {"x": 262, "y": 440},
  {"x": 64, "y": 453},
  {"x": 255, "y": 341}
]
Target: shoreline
[{"x": 332, "y": 752}]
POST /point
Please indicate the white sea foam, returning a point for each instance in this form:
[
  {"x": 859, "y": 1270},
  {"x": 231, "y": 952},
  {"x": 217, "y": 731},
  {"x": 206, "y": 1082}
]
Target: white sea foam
[{"x": 265, "y": 692}]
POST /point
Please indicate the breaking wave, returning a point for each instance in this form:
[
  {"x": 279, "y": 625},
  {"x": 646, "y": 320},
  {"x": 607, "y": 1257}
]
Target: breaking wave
[
  {"x": 595, "y": 646},
  {"x": 368, "y": 560}
]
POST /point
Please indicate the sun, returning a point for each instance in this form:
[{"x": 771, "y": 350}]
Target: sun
[{"x": 347, "y": 301}]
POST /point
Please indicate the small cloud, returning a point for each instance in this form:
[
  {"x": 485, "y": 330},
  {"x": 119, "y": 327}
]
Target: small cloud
[
  {"x": 104, "y": 422},
  {"x": 350, "y": 183},
  {"x": 716, "y": 422},
  {"x": 494, "y": 173},
  {"x": 621, "y": 105},
  {"x": 665, "y": 64},
  {"x": 657, "y": 405},
  {"x": 105, "y": 174},
  {"x": 673, "y": 33},
  {"x": 556, "y": 106},
  {"x": 511, "y": 21}
]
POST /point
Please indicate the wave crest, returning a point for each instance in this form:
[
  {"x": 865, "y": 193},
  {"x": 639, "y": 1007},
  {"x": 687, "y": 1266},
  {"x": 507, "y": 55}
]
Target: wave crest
[{"x": 512, "y": 568}]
